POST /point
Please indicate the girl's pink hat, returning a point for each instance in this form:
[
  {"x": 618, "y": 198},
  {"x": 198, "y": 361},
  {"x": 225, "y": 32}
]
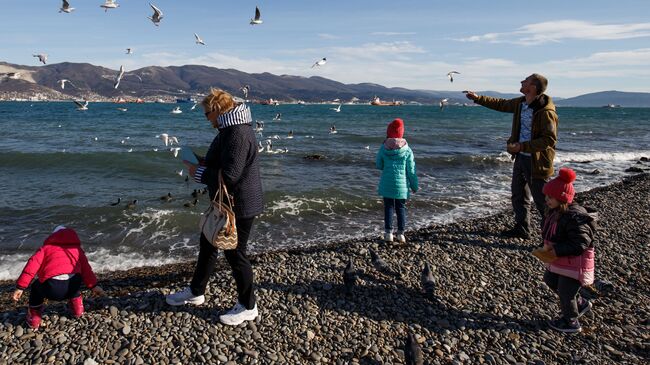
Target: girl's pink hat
[
  {"x": 561, "y": 188},
  {"x": 395, "y": 129}
]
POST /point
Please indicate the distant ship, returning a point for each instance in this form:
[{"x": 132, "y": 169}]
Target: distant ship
[
  {"x": 375, "y": 101},
  {"x": 612, "y": 106}
]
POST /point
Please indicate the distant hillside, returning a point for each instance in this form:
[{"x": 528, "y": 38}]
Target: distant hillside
[
  {"x": 624, "y": 99},
  {"x": 183, "y": 81}
]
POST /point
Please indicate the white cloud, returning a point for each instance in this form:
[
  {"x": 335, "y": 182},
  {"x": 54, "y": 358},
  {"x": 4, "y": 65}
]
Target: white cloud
[
  {"x": 328, "y": 36},
  {"x": 557, "y": 31},
  {"x": 379, "y": 50},
  {"x": 389, "y": 34}
]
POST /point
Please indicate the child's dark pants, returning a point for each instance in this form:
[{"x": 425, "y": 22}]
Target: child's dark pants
[
  {"x": 567, "y": 289},
  {"x": 54, "y": 290}
]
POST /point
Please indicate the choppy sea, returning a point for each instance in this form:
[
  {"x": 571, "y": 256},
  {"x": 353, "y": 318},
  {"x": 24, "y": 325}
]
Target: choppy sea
[{"x": 63, "y": 166}]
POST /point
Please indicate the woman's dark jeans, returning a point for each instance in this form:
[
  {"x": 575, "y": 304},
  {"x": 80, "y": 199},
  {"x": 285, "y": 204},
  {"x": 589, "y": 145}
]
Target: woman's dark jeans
[{"x": 241, "y": 267}]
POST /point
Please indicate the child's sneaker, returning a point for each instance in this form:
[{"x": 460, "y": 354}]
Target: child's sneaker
[
  {"x": 584, "y": 308},
  {"x": 76, "y": 306},
  {"x": 388, "y": 237},
  {"x": 33, "y": 317},
  {"x": 400, "y": 237},
  {"x": 567, "y": 326},
  {"x": 238, "y": 314},
  {"x": 183, "y": 297}
]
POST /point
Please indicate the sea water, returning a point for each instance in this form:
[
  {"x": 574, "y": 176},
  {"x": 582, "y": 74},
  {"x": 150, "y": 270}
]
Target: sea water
[{"x": 63, "y": 166}]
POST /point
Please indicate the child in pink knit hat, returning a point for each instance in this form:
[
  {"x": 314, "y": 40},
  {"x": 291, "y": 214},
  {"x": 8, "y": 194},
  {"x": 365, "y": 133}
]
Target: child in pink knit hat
[{"x": 568, "y": 249}]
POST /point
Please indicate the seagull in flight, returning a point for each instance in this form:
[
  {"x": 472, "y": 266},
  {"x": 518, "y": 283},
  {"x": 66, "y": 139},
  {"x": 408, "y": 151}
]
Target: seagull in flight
[
  {"x": 81, "y": 106},
  {"x": 65, "y": 8},
  {"x": 451, "y": 75},
  {"x": 245, "y": 89},
  {"x": 109, "y": 4},
  {"x": 257, "y": 19},
  {"x": 129, "y": 51},
  {"x": 121, "y": 74},
  {"x": 62, "y": 83},
  {"x": 443, "y": 103},
  {"x": 319, "y": 63},
  {"x": 337, "y": 109},
  {"x": 9, "y": 75},
  {"x": 198, "y": 39},
  {"x": 42, "y": 57},
  {"x": 119, "y": 77},
  {"x": 157, "y": 15}
]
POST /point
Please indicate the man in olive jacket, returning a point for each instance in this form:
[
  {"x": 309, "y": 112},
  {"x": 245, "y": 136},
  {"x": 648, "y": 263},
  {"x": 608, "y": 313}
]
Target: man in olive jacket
[{"x": 531, "y": 143}]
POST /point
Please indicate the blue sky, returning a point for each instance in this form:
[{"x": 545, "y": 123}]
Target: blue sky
[{"x": 581, "y": 46}]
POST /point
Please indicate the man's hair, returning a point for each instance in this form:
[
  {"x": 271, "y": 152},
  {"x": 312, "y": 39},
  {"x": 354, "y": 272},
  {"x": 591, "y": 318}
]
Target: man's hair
[{"x": 540, "y": 83}]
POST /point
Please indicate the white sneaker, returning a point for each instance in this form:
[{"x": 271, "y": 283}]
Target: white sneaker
[
  {"x": 388, "y": 237},
  {"x": 238, "y": 314},
  {"x": 183, "y": 297},
  {"x": 401, "y": 238}
]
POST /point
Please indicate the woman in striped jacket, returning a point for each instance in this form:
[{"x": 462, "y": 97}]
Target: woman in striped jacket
[{"x": 233, "y": 152}]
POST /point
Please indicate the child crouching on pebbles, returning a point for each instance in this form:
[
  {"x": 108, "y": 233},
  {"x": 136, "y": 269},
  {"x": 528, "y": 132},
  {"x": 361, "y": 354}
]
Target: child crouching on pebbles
[
  {"x": 60, "y": 265},
  {"x": 398, "y": 176},
  {"x": 568, "y": 250}
]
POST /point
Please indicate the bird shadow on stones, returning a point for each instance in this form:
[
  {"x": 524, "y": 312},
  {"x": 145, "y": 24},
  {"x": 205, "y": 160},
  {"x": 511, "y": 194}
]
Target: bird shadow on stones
[{"x": 380, "y": 302}]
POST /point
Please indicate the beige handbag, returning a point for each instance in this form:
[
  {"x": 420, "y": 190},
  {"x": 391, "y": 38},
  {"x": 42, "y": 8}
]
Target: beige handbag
[{"x": 218, "y": 221}]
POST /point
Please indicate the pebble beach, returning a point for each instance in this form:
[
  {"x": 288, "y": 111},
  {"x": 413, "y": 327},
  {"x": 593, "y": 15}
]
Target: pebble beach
[{"x": 490, "y": 305}]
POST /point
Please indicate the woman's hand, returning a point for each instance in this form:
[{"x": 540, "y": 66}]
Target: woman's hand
[
  {"x": 191, "y": 168},
  {"x": 17, "y": 294}
]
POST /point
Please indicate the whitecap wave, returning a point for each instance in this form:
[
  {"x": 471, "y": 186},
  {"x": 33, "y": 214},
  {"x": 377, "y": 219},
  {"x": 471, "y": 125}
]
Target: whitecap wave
[{"x": 567, "y": 157}]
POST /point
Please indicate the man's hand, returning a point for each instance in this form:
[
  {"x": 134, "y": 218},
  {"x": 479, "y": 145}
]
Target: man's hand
[
  {"x": 514, "y": 148},
  {"x": 17, "y": 294},
  {"x": 471, "y": 95}
]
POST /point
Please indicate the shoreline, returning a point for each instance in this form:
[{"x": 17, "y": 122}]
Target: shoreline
[{"x": 490, "y": 303}]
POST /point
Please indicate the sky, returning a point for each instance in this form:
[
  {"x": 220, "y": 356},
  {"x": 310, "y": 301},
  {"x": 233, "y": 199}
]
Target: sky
[{"x": 580, "y": 46}]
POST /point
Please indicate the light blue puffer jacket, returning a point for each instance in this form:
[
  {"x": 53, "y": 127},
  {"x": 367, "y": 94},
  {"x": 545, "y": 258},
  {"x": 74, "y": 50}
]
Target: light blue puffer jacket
[{"x": 398, "y": 172}]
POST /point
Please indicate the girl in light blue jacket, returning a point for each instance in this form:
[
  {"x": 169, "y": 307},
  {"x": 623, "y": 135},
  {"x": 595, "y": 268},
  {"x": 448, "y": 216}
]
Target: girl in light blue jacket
[{"x": 398, "y": 176}]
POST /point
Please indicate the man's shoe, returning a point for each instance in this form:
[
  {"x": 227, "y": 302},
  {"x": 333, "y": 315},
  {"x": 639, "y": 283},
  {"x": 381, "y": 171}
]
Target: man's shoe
[
  {"x": 516, "y": 232},
  {"x": 183, "y": 297},
  {"x": 400, "y": 238},
  {"x": 584, "y": 308},
  {"x": 566, "y": 326},
  {"x": 33, "y": 317},
  {"x": 238, "y": 314},
  {"x": 388, "y": 237},
  {"x": 76, "y": 306}
]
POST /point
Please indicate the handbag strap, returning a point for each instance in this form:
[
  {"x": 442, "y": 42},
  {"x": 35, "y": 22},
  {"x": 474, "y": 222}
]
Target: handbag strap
[{"x": 223, "y": 189}]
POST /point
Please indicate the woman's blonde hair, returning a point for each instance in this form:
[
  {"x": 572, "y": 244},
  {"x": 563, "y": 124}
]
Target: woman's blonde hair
[{"x": 218, "y": 100}]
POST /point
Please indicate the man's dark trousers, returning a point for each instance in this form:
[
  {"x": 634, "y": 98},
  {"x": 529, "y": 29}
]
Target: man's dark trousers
[{"x": 522, "y": 187}]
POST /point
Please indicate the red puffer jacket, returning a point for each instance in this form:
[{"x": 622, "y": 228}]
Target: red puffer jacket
[{"x": 61, "y": 253}]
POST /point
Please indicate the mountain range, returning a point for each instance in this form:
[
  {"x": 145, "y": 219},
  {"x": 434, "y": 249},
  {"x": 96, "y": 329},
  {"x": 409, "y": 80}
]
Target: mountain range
[{"x": 96, "y": 82}]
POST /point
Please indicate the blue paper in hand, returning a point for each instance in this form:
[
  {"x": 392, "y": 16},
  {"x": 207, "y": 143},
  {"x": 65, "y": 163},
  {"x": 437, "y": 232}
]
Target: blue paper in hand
[{"x": 188, "y": 155}]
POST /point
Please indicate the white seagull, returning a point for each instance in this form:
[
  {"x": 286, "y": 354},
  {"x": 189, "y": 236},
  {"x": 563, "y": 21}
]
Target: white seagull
[
  {"x": 198, "y": 39},
  {"x": 443, "y": 103},
  {"x": 62, "y": 83},
  {"x": 81, "y": 106},
  {"x": 164, "y": 137},
  {"x": 245, "y": 89},
  {"x": 129, "y": 51},
  {"x": 109, "y": 4},
  {"x": 65, "y": 8},
  {"x": 119, "y": 77},
  {"x": 319, "y": 63},
  {"x": 42, "y": 57},
  {"x": 337, "y": 109},
  {"x": 157, "y": 15},
  {"x": 451, "y": 75},
  {"x": 257, "y": 19},
  {"x": 10, "y": 75},
  {"x": 194, "y": 106}
]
